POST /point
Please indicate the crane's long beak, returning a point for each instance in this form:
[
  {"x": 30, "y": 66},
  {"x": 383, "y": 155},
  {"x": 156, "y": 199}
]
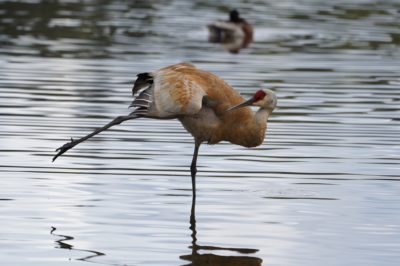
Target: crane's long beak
[{"x": 240, "y": 105}]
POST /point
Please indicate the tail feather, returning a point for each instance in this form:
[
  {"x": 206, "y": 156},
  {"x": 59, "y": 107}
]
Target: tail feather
[
  {"x": 143, "y": 80},
  {"x": 143, "y": 94}
]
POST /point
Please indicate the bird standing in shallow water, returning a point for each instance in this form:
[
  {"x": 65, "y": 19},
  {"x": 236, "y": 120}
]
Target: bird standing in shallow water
[
  {"x": 208, "y": 108},
  {"x": 236, "y": 32}
]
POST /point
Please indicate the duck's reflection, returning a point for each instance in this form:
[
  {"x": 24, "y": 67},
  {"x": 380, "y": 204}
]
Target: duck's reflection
[
  {"x": 233, "y": 45},
  {"x": 62, "y": 244},
  {"x": 201, "y": 255}
]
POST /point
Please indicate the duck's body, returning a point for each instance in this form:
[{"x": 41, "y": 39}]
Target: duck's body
[{"x": 232, "y": 30}]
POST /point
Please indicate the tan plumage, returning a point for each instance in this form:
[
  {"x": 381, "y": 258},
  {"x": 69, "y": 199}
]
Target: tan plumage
[
  {"x": 210, "y": 109},
  {"x": 179, "y": 91}
]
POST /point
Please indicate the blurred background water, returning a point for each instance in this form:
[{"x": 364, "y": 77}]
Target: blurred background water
[{"x": 323, "y": 189}]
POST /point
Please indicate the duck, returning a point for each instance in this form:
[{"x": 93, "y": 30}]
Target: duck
[{"x": 236, "y": 30}]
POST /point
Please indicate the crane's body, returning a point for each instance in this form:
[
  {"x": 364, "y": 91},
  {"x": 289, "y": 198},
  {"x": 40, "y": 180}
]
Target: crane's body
[
  {"x": 208, "y": 108},
  {"x": 199, "y": 99}
]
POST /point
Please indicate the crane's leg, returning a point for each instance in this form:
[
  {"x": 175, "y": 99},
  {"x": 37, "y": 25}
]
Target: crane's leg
[
  {"x": 193, "y": 167},
  {"x": 193, "y": 171},
  {"x": 73, "y": 143}
]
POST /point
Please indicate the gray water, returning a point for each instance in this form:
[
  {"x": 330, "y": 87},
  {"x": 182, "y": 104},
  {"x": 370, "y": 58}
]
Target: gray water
[{"x": 323, "y": 189}]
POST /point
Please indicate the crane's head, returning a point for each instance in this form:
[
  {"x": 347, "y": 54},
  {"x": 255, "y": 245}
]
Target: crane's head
[{"x": 265, "y": 99}]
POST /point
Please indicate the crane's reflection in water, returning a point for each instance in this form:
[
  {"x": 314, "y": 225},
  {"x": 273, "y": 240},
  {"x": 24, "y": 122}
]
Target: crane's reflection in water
[
  {"x": 201, "y": 255},
  {"x": 63, "y": 245}
]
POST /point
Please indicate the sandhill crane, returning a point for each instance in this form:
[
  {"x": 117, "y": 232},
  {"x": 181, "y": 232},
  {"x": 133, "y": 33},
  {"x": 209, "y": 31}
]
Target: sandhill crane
[
  {"x": 210, "y": 109},
  {"x": 235, "y": 33}
]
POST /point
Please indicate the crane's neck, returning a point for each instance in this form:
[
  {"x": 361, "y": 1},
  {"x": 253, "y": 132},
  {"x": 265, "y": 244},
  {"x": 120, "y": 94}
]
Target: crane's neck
[
  {"x": 245, "y": 127},
  {"x": 260, "y": 121},
  {"x": 251, "y": 133},
  {"x": 261, "y": 117}
]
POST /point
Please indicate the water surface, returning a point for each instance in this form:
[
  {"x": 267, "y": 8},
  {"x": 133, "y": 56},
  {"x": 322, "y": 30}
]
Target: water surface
[{"x": 322, "y": 190}]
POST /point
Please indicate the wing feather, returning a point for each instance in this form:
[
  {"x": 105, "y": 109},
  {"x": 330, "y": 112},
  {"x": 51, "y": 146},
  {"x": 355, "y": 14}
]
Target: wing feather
[
  {"x": 176, "y": 91},
  {"x": 182, "y": 89}
]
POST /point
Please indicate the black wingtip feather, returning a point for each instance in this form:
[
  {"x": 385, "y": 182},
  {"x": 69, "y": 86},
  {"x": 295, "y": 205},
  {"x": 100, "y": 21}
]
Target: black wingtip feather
[{"x": 143, "y": 80}]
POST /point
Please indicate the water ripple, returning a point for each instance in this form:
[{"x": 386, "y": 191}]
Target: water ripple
[{"x": 323, "y": 183}]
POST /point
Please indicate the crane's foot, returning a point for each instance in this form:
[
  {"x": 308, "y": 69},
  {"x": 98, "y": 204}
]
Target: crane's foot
[{"x": 61, "y": 150}]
